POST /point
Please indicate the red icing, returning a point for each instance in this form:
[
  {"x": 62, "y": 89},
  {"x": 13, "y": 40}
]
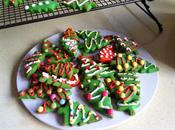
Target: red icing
[
  {"x": 78, "y": 81},
  {"x": 104, "y": 93},
  {"x": 97, "y": 67},
  {"x": 109, "y": 112},
  {"x": 88, "y": 68},
  {"x": 106, "y": 54},
  {"x": 34, "y": 76},
  {"x": 88, "y": 96}
]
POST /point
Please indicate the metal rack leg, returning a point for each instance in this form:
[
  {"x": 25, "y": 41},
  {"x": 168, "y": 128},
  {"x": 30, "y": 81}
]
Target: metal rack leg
[{"x": 149, "y": 13}]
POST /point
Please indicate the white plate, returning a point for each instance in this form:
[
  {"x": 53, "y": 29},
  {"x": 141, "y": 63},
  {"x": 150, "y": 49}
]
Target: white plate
[{"x": 148, "y": 88}]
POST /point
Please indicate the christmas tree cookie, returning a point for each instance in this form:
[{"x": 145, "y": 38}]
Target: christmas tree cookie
[
  {"x": 128, "y": 78},
  {"x": 33, "y": 62},
  {"x": 97, "y": 95},
  {"x": 42, "y": 6},
  {"x": 55, "y": 81},
  {"x": 75, "y": 113},
  {"x": 69, "y": 42},
  {"x": 54, "y": 54},
  {"x": 14, "y": 3},
  {"x": 91, "y": 68},
  {"x": 83, "y": 5},
  {"x": 107, "y": 54},
  {"x": 126, "y": 97},
  {"x": 88, "y": 34},
  {"x": 56, "y": 99},
  {"x": 64, "y": 73},
  {"x": 104, "y": 67},
  {"x": 131, "y": 63},
  {"x": 124, "y": 45},
  {"x": 48, "y": 106},
  {"x": 91, "y": 44}
]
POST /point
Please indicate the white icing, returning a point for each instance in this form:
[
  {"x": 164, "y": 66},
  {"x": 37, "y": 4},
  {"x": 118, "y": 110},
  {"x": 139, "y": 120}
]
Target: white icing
[
  {"x": 26, "y": 7},
  {"x": 28, "y": 66},
  {"x": 40, "y": 3},
  {"x": 78, "y": 3},
  {"x": 33, "y": 5},
  {"x": 47, "y": 2},
  {"x": 46, "y": 75},
  {"x": 129, "y": 104},
  {"x": 75, "y": 114},
  {"x": 65, "y": 80}
]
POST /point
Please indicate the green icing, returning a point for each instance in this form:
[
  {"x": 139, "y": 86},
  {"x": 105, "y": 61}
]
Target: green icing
[
  {"x": 94, "y": 90},
  {"x": 64, "y": 70},
  {"x": 136, "y": 64},
  {"x": 15, "y": 3},
  {"x": 128, "y": 78},
  {"x": 50, "y": 81},
  {"x": 33, "y": 63},
  {"x": 128, "y": 107},
  {"x": 42, "y": 6},
  {"x": 90, "y": 69},
  {"x": 125, "y": 92},
  {"x": 50, "y": 106},
  {"x": 92, "y": 44},
  {"x": 69, "y": 42},
  {"x": 88, "y": 34},
  {"x": 75, "y": 113},
  {"x": 124, "y": 45}
]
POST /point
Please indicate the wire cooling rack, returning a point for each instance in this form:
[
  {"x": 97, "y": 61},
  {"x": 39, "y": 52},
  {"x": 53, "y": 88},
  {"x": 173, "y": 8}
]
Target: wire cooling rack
[{"x": 10, "y": 16}]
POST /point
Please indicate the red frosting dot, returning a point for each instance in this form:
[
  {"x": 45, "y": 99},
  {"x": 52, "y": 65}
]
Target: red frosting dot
[
  {"x": 34, "y": 76},
  {"x": 109, "y": 111},
  {"x": 104, "y": 93},
  {"x": 42, "y": 63},
  {"x": 88, "y": 68},
  {"x": 91, "y": 62},
  {"x": 97, "y": 67},
  {"x": 88, "y": 96}
]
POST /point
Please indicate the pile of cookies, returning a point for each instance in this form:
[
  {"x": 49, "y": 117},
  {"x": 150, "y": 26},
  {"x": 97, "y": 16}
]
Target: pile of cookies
[
  {"x": 104, "y": 67},
  {"x": 45, "y": 6}
]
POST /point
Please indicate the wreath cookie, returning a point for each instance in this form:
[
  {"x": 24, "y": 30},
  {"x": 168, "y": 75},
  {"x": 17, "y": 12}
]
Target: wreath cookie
[{"x": 105, "y": 68}]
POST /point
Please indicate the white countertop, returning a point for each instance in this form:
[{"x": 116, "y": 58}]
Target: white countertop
[{"x": 159, "y": 114}]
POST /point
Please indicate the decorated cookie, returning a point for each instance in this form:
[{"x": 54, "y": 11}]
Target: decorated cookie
[
  {"x": 14, "y": 3},
  {"x": 69, "y": 42},
  {"x": 107, "y": 54},
  {"x": 42, "y": 6},
  {"x": 124, "y": 45},
  {"x": 54, "y": 54},
  {"x": 84, "y": 5},
  {"x": 54, "y": 80},
  {"x": 92, "y": 44},
  {"x": 33, "y": 62},
  {"x": 48, "y": 106},
  {"x": 58, "y": 98},
  {"x": 126, "y": 97},
  {"x": 105, "y": 68},
  {"x": 75, "y": 113},
  {"x": 97, "y": 95},
  {"x": 91, "y": 68},
  {"x": 128, "y": 78},
  {"x": 88, "y": 34},
  {"x": 64, "y": 73},
  {"x": 127, "y": 62}
]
